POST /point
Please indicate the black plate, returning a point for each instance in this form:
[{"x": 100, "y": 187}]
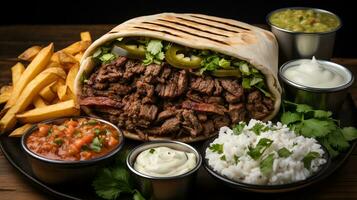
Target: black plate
[{"x": 206, "y": 185}]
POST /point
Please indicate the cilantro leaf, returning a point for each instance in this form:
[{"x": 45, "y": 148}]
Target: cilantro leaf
[
  {"x": 337, "y": 140},
  {"x": 316, "y": 127},
  {"x": 284, "y": 152},
  {"x": 333, "y": 153},
  {"x": 216, "y": 148},
  {"x": 290, "y": 117},
  {"x": 303, "y": 108},
  {"x": 260, "y": 148},
  {"x": 154, "y": 52},
  {"x": 350, "y": 133},
  {"x": 246, "y": 83},
  {"x": 258, "y": 128},
  {"x": 309, "y": 158},
  {"x": 266, "y": 166},
  {"x": 223, "y": 157},
  {"x": 322, "y": 114},
  {"x": 151, "y": 151},
  {"x": 224, "y": 63},
  {"x": 236, "y": 159},
  {"x": 210, "y": 63},
  {"x": 237, "y": 129}
]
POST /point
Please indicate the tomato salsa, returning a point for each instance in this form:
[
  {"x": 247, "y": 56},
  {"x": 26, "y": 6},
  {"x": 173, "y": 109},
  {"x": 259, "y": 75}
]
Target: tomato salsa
[{"x": 74, "y": 139}]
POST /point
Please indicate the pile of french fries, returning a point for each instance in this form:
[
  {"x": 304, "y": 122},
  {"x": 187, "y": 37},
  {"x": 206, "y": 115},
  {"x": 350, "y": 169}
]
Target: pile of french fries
[{"x": 44, "y": 89}]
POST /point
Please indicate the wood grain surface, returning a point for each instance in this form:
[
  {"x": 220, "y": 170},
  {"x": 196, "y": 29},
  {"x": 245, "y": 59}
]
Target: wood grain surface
[{"x": 15, "y": 39}]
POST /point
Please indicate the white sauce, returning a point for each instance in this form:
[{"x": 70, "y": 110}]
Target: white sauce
[
  {"x": 313, "y": 74},
  {"x": 164, "y": 162}
]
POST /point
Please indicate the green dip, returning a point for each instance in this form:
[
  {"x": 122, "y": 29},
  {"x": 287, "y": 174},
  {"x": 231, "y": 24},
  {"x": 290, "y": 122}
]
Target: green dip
[{"x": 304, "y": 20}]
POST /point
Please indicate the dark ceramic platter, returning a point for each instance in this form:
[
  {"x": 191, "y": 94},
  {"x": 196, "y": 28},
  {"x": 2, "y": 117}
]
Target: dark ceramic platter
[{"x": 206, "y": 184}]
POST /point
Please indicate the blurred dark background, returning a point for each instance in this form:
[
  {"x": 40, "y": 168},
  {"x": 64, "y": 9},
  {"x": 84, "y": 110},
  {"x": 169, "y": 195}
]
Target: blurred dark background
[{"x": 116, "y": 11}]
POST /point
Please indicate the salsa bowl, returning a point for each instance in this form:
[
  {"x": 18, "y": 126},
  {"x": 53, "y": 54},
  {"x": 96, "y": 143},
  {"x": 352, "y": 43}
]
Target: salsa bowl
[{"x": 52, "y": 170}]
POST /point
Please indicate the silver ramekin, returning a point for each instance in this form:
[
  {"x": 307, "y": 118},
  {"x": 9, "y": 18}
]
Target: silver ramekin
[
  {"x": 169, "y": 188},
  {"x": 295, "y": 45},
  {"x": 320, "y": 98}
]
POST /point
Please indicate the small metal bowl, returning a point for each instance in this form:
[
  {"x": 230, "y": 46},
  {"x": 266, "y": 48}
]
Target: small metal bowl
[
  {"x": 72, "y": 172},
  {"x": 314, "y": 178},
  {"x": 295, "y": 45},
  {"x": 169, "y": 188},
  {"x": 320, "y": 98}
]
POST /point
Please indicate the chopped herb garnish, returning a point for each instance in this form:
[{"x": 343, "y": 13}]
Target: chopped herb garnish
[
  {"x": 309, "y": 158},
  {"x": 97, "y": 131},
  {"x": 284, "y": 152},
  {"x": 258, "y": 151},
  {"x": 237, "y": 129},
  {"x": 257, "y": 128},
  {"x": 96, "y": 145},
  {"x": 266, "y": 166},
  {"x": 236, "y": 159},
  {"x": 152, "y": 151},
  {"x": 58, "y": 141},
  {"x": 216, "y": 148},
  {"x": 50, "y": 131},
  {"x": 223, "y": 157},
  {"x": 92, "y": 122}
]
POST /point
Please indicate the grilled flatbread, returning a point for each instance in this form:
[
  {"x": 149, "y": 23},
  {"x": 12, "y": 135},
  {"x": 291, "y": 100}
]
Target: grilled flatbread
[{"x": 230, "y": 37}]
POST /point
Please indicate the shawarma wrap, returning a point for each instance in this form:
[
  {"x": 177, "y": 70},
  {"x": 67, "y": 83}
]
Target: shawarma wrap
[{"x": 180, "y": 76}]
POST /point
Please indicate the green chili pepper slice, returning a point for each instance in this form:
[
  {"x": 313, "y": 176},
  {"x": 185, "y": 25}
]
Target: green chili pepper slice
[
  {"x": 227, "y": 73},
  {"x": 134, "y": 48},
  {"x": 175, "y": 56}
]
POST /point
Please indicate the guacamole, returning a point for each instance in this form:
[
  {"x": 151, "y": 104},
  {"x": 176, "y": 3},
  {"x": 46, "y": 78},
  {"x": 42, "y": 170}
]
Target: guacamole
[{"x": 304, "y": 20}]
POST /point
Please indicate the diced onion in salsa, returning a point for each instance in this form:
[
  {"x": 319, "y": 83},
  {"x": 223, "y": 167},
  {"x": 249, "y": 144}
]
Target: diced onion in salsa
[{"x": 74, "y": 139}]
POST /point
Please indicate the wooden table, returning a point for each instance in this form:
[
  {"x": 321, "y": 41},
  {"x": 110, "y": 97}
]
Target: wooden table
[{"x": 15, "y": 39}]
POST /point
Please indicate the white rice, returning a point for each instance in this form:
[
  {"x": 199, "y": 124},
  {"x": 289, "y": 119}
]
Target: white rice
[{"x": 247, "y": 170}]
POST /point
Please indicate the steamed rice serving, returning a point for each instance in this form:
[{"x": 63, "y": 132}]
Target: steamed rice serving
[{"x": 264, "y": 154}]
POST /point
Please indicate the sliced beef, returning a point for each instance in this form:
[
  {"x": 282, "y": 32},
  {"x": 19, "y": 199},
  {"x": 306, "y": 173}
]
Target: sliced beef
[
  {"x": 202, "y": 117},
  {"x": 111, "y": 72},
  {"x": 169, "y": 126},
  {"x": 230, "y": 98},
  {"x": 191, "y": 123},
  {"x": 233, "y": 87},
  {"x": 100, "y": 101},
  {"x": 220, "y": 121},
  {"x": 108, "y": 110},
  {"x": 144, "y": 88},
  {"x": 204, "y": 107},
  {"x": 174, "y": 87},
  {"x": 258, "y": 106},
  {"x": 218, "y": 88},
  {"x": 119, "y": 89},
  {"x": 193, "y": 96},
  {"x": 133, "y": 67},
  {"x": 208, "y": 127},
  {"x": 202, "y": 84},
  {"x": 151, "y": 72},
  {"x": 166, "y": 114},
  {"x": 148, "y": 112},
  {"x": 237, "y": 112},
  {"x": 216, "y": 100}
]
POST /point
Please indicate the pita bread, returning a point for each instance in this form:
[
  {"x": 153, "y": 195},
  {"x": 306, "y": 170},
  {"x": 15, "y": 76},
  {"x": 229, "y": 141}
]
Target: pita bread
[{"x": 230, "y": 37}]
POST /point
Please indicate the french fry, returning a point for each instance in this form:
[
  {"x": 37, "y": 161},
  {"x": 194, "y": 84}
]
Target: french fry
[
  {"x": 55, "y": 58},
  {"x": 61, "y": 92},
  {"x": 16, "y": 72},
  {"x": 85, "y": 36},
  {"x": 76, "y": 47},
  {"x": 47, "y": 94},
  {"x": 32, "y": 70},
  {"x": 8, "y": 121},
  {"x": 38, "y": 102},
  {"x": 66, "y": 59},
  {"x": 30, "y": 53},
  {"x": 62, "y": 109},
  {"x": 5, "y": 93},
  {"x": 21, "y": 130},
  {"x": 72, "y": 73},
  {"x": 57, "y": 70},
  {"x": 54, "y": 64},
  {"x": 78, "y": 56},
  {"x": 58, "y": 83}
]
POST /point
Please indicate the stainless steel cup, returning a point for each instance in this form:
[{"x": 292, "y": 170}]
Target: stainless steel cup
[
  {"x": 295, "y": 45},
  {"x": 168, "y": 188},
  {"x": 320, "y": 98}
]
